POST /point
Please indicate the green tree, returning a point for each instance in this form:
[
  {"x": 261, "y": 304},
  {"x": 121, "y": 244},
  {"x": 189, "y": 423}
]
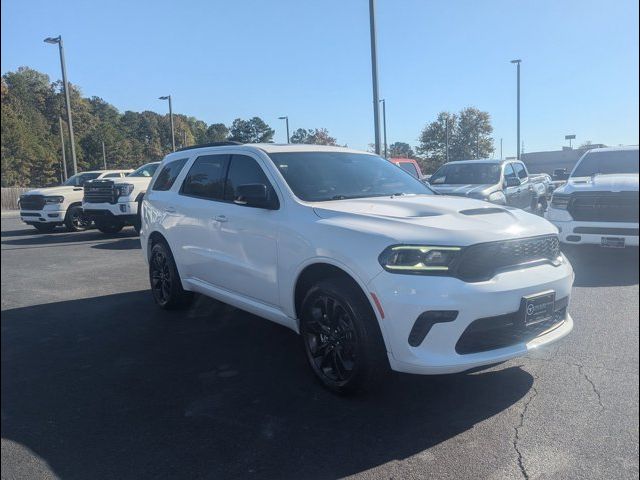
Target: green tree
[
  {"x": 315, "y": 136},
  {"x": 217, "y": 132},
  {"x": 401, "y": 150},
  {"x": 254, "y": 130}
]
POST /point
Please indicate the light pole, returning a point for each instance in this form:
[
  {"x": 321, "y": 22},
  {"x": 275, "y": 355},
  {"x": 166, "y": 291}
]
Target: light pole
[
  {"x": 104, "y": 156},
  {"x": 477, "y": 145},
  {"x": 446, "y": 136},
  {"x": 374, "y": 73},
  {"x": 173, "y": 137},
  {"x": 286, "y": 119},
  {"x": 500, "y": 149},
  {"x": 384, "y": 125},
  {"x": 517, "y": 62},
  {"x": 58, "y": 40},
  {"x": 64, "y": 155}
]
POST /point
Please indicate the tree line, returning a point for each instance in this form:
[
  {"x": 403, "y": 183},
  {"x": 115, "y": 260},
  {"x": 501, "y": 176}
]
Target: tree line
[{"x": 31, "y": 152}]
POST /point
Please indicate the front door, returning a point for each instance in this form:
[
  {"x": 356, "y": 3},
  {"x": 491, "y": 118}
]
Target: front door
[{"x": 511, "y": 193}]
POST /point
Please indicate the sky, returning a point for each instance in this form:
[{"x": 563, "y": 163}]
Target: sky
[{"x": 310, "y": 60}]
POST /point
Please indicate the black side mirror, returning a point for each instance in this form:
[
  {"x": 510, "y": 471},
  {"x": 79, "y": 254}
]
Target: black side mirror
[
  {"x": 256, "y": 195},
  {"x": 512, "y": 182},
  {"x": 560, "y": 174}
]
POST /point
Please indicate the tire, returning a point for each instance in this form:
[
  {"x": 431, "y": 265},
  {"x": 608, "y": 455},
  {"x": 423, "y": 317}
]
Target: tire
[
  {"x": 166, "y": 286},
  {"x": 74, "y": 220},
  {"x": 137, "y": 223},
  {"x": 45, "y": 227},
  {"x": 342, "y": 338},
  {"x": 109, "y": 227}
]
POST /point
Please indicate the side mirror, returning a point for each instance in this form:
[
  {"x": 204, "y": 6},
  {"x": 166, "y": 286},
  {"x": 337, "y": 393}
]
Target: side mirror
[
  {"x": 256, "y": 195},
  {"x": 512, "y": 182},
  {"x": 560, "y": 174}
]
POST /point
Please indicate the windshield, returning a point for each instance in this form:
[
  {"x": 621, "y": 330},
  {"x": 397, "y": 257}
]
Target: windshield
[
  {"x": 322, "y": 176},
  {"x": 79, "y": 179},
  {"x": 621, "y": 161},
  {"x": 466, "y": 173},
  {"x": 145, "y": 171}
]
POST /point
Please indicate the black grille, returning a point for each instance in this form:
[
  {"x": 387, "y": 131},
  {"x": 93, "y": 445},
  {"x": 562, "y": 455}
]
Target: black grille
[
  {"x": 32, "y": 202},
  {"x": 99, "y": 191},
  {"x": 481, "y": 262},
  {"x": 506, "y": 330},
  {"x": 604, "y": 207}
]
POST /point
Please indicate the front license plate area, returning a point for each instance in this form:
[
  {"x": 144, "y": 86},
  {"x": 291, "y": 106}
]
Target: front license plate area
[
  {"x": 538, "y": 308},
  {"x": 612, "y": 242}
]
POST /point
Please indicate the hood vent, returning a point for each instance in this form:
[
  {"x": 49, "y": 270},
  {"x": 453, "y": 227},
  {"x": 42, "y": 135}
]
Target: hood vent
[{"x": 483, "y": 211}]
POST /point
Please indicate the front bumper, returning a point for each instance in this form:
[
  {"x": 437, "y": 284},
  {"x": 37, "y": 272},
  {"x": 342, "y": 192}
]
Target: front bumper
[
  {"x": 591, "y": 233},
  {"x": 125, "y": 211},
  {"x": 403, "y": 298},
  {"x": 49, "y": 214}
]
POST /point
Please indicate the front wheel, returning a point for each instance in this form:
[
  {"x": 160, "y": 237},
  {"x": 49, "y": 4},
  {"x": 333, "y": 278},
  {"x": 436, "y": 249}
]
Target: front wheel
[
  {"x": 75, "y": 221},
  {"x": 341, "y": 337},
  {"x": 166, "y": 285},
  {"x": 109, "y": 227}
]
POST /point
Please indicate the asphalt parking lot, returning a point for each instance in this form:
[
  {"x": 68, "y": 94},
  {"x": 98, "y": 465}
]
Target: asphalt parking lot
[{"x": 99, "y": 383}]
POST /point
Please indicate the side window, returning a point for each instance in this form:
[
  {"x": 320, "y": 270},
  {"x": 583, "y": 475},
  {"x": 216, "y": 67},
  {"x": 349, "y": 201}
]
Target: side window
[
  {"x": 509, "y": 172},
  {"x": 409, "y": 167},
  {"x": 243, "y": 170},
  {"x": 205, "y": 178},
  {"x": 112, "y": 175},
  {"x": 168, "y": 174},
  {"x": 522, "y": 173}
]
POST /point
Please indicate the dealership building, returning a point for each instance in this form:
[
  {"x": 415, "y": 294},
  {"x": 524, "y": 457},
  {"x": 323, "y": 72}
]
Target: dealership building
[{"x": 547, "y": 162}]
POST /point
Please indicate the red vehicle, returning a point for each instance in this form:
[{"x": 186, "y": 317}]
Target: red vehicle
[{"x": 408, "y": 165}]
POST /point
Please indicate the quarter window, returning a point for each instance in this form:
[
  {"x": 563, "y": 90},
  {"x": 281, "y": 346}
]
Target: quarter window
[
  {"x": 167, "y": 176},
  {"x": 205, "y": 178},
  {"x": 243, "y": 170}
]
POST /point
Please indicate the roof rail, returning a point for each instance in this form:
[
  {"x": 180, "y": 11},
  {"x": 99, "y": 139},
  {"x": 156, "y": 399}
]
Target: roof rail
[{"x": 212, "y": 144}]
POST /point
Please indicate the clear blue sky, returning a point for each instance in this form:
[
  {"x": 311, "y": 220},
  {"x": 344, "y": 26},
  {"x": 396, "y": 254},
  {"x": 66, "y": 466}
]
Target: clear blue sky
[{"x": 310, "y": 60}]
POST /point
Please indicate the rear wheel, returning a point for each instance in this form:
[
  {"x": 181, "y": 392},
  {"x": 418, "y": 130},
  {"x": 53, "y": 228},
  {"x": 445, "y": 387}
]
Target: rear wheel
[
  {"x": 109, "y": 227},
  {"x": 74, "y": 220},
  {"x": 45, "y": 227},
  {"x": 166, "y": 285},
  {"x": 341, "y": 337}
]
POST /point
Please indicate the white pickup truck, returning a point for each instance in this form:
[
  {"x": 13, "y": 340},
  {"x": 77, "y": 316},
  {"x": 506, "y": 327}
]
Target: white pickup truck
[
  {"x": 46, "y": 208},
  {"x": 112, "y": 203},
  {"x": 599, "y": 203}
]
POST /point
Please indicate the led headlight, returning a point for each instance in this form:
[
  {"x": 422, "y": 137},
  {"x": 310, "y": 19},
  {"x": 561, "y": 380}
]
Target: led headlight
[
  {"x": 419, "y": 259},
  {"x": 53, "y": 199},
  {"x": 560, "y": 201},
  {"x": 124, "y": 189}
]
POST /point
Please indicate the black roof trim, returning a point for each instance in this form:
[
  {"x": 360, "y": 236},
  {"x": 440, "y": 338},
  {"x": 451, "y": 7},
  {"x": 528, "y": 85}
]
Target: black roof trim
[{"x": 212, "y": 144}]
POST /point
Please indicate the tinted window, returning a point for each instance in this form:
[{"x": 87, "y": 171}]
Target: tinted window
[
  {"x": 145, "y": 171},
  {"x": 509, "y": 172},
  {"x": 206, "y": 177},
  {"x": 466, "y": 173},
  {"x": 243, "y": 170},
  {"x": 520, "y": 171},
  {"x": 79, "y": 179},
  {"x": 112, "y": 175},
  {"x": 321, "y": 176},
  {"x": 168, "y": 174},
  {"x": 409, "y": 167},
  {"x": 621, "y": 161}
]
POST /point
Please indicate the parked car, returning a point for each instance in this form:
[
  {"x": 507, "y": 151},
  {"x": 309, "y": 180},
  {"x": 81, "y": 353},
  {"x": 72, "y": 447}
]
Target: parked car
[
  {"x": 359, "y": 257},
  {"x": 114, "y": 203},
  {"x": 409, "y": 165},
  {"x": 47, "y": 208},
  {"x": 599, "y": 203},
  {"x": 503, "y": 182}
]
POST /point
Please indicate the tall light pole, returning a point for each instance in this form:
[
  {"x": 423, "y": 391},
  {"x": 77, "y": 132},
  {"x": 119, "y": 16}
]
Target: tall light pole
[
  {"x": 517, "y": 62},
  {"x": 173, "y": 137},
  {"x": 501, "y": 149},
  {"x": 446, "y": 137},
  {"x": 286, "y": 119},
  {"x": 104, "y": 156},
  {"x": 384, "y": 125},
  {"x": 374, "y": 74},
  {"x": 64, "y": 155},
  {"x": 58, "y": 40}
]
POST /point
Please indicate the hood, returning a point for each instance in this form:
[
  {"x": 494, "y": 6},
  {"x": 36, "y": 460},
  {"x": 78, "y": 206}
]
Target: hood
[
  {"x": 469, "y": 190},
  {"x": 439, "y": 219},
  {"x": 54, "y": 190},
  {"x": 620, "y": 182}
]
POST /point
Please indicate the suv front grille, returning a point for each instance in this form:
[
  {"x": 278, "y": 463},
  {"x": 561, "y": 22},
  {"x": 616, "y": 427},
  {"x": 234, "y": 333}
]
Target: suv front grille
[
  {"x": 604, "y": 207},
  {"x": 99, "y": 191},
  {"x": 32, "y": 202},
  {"x": 481, "y": 262}
]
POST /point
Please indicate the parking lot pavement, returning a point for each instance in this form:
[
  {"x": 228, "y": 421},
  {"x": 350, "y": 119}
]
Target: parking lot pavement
[{"x": 99, "y": 383}]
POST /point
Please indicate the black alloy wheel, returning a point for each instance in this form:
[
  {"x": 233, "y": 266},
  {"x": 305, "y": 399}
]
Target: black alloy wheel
[
  {"x": 75, "y": 220},
  {"x": 166, "y": 286}
]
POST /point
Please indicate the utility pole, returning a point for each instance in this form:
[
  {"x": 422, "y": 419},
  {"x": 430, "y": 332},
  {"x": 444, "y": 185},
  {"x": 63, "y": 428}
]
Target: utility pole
[
  {"x": 501, "y": 149},
  {"x": 286, "y": 119},
  {"x": 374, "y": 74},
  {"x": 384, "y": 125},
  {"x": 173, "y": 137},
  {"x": 477, "y": 145},
  {"x": 58, "y": 40},
  {"x": 184, "y": 138},
  {"x": 64, "y": 155},
  {"x": 517, "y": 62},
  {"x": 104, "y": 156}
]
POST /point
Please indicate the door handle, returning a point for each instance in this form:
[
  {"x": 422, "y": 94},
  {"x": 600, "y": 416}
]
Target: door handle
[
  {"x": 220, "y": 218},
  {"x": 170, "y": 210}
]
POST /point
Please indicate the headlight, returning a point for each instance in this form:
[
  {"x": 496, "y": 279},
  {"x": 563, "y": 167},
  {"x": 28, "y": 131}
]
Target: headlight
[
  {"x": 418, "y": 259},
  {"x": 124, "y": 189},
  {"x": 53, "y": 199},
  {"x": 560, "y": 201},
  {"x": 497, "y": 197}
]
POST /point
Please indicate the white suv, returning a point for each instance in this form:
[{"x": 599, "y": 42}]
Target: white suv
[
  {"x": 356, "y": 255},
  {"x": 599, "y": 203},
  {"x": 46, "y": 208},
  {"x": 114, "y": 203}
]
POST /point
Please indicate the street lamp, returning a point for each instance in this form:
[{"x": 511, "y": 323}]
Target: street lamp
[
  {"x": 286, "y": 119},
  {"x": 517, "y": 62},
  {"x": 374, "y": 73},
  {"x": 58, "y": 40},
  {"x": 446, "y": 137},
  {"x": 384, "y": 125},
  {"x": 173, "y": 138}
]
